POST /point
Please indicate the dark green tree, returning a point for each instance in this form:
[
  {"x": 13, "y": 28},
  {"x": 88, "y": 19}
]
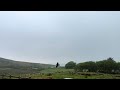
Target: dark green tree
[
  {"x": 107, "y": 66},
  {"x": 90, "y": 66},
  {"x": 70, "y": 65}
]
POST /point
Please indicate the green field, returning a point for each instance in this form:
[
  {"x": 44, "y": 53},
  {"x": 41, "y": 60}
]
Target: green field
[
  {"x": 61, "y": 73},
  {"x": 10, "y": 69}
]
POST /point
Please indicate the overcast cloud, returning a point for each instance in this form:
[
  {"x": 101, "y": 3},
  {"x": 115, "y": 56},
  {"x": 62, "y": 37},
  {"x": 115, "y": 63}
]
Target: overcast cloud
[{"x": 59, "y": 36}]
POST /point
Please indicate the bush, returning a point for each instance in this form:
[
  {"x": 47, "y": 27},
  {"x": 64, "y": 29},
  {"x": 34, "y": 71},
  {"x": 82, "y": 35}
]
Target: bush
[{"x": 70, "y": 65}]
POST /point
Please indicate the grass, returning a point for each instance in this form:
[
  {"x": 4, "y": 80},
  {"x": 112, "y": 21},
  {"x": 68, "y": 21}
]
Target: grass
[
  {"x": 61, "y": 73},
  {"x": 56, "y": 70}
]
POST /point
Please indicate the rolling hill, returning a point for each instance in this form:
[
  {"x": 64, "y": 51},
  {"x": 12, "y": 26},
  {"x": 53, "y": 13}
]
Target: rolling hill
[{"x": 11, "y": 66}]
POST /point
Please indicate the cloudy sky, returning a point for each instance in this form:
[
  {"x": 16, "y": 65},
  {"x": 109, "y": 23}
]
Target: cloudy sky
[{"x": 59, "y": 36}]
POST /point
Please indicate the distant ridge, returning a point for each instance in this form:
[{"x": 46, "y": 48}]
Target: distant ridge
[{"x": 11, "y": 66}]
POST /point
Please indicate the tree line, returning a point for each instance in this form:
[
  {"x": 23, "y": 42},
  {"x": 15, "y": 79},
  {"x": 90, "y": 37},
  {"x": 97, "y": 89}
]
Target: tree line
[{"x": 104, "y": 66}]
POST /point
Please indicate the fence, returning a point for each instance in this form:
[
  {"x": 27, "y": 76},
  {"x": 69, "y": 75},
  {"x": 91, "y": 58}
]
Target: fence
[{"x": 11, "y": 76}]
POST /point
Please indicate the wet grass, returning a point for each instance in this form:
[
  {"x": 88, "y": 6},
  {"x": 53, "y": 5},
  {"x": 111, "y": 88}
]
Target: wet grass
[{"x": 61, "y": 73}]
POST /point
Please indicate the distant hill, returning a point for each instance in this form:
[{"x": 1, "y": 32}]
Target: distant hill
[{"x": 11, "y": 66}]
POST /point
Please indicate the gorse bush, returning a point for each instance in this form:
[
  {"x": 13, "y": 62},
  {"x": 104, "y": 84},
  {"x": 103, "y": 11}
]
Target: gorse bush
[
  {"x": 104, "y": 66},
  {"x": 70, "y": 65}
]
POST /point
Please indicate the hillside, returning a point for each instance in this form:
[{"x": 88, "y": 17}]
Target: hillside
[{"x": 11, "y": 66}]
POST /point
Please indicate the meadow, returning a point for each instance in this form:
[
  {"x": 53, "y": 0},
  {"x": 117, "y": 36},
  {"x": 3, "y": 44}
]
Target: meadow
[{"x": 62, "y": 73}]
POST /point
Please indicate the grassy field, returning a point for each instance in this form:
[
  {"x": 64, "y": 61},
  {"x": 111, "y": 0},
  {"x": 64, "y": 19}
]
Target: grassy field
[{"x": 61, "y": 73}]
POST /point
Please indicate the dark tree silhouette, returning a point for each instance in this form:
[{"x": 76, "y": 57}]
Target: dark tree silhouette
[{"x": 57, "y": 64}]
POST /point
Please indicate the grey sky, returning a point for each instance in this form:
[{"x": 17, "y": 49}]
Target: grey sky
[{"x": 59, "y": 36}]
